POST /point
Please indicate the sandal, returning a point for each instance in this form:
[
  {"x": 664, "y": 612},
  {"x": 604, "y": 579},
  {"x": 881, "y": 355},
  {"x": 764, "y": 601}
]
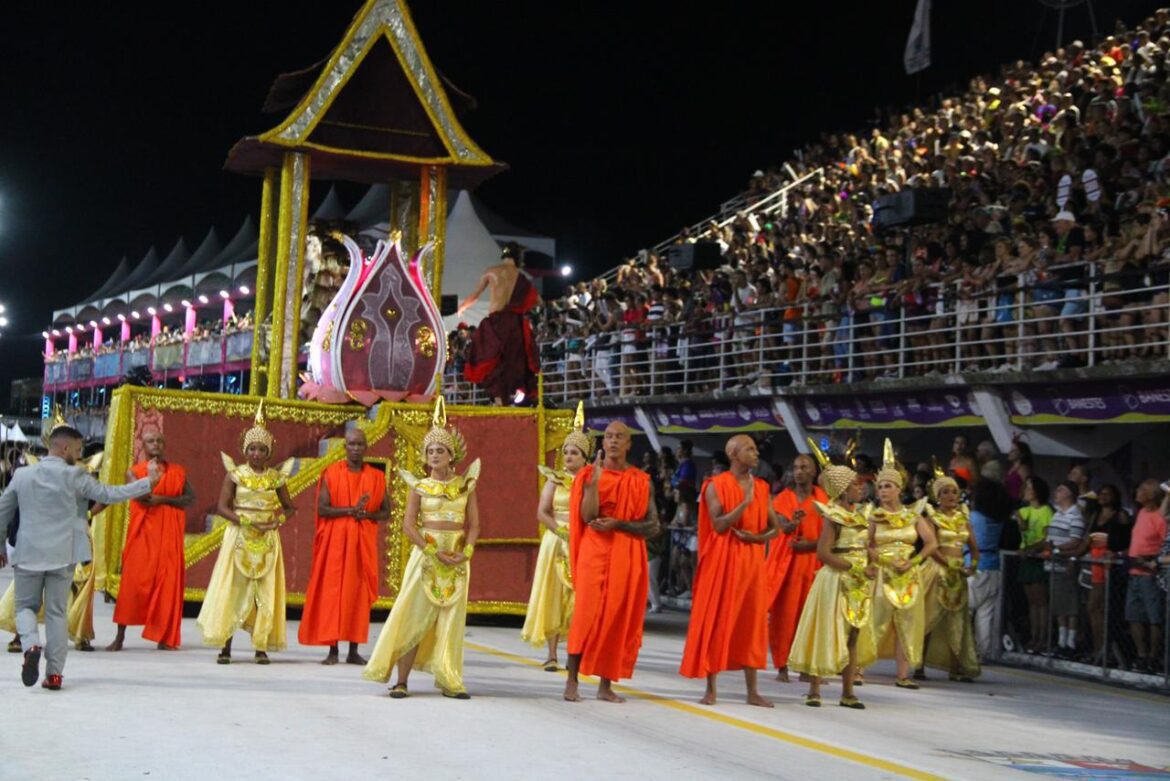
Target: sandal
[
  {"x": 84, "y": 645},
  {"x": 262, "y": 658},
  {"x": 905, "y": 683},
  {"x": 859, "y": 679},
  {"x": 14, "y": 646},
  {"x": 550, "y": 665},
  {"x": 223, "y": 658},
  {"x": 961, "y": 678},
  {"x": 456, "y": 695},
  {"x": 398, "y": 691},
  {"x": 852, "y": 702},
  {"x": 812, "y": 700}
]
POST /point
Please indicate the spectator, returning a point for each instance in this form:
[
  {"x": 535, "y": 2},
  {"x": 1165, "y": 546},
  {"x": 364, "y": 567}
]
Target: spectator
[
  {"x": 991, "y": 511},
  {"x": 1144, "y": 600},
  {"x": 1109, "y": 538},
  {"x": 1066, "y": 537},
  {"x": 1033, "y": 519},
  {"x": 1019, "y": 469},
  {"x": 987, "y": 457}
]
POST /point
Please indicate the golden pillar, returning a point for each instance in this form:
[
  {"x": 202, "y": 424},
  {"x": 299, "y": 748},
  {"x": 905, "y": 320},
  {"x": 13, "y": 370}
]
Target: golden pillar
[
  {"x": 287, "y": 282},
  {"x": 432, "y": 220},
  {"x": 404, "y": 208},
  {"x": 265, "y": 255}
]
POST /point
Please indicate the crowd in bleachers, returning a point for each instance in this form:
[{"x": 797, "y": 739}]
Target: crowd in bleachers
[{"x": 1059, "y": 177}]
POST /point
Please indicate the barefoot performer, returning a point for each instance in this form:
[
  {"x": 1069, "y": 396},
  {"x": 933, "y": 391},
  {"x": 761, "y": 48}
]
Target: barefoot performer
[
  {"x": 343, "y": 585},
  {"x": 610, "y": 516},
  {"x": 425, "y": 628},
  {"x": 550, "y": 606},
  {"x": 729, "y": 621},
  {"x": 151, "y": 592},
  {"x": 247, "y": 586},
  {"x": 792, "y": 559}
]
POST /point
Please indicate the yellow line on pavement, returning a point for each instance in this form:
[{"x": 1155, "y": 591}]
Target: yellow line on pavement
[{"x": 732, "y": 721}]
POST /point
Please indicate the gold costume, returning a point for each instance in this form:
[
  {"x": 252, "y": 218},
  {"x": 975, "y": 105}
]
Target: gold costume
[
  {"x": 947, "y": 619},
  {"x": 247, "y": 587},
  {"x": 838, "y": 602},
  {"x": 550, "y": 606},
  {"x": 898, "y": 607},
  {"x": 431, "y": 608}
]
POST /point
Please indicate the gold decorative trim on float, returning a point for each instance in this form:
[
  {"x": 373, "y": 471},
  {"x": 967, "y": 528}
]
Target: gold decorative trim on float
[
  {"x": 378, "y": 19},
  {"x": 268, "y": 227},
  {"x": 408, "y": 423}
]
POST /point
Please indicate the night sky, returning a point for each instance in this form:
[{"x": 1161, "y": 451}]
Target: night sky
[{"x": 618, "y": 128}]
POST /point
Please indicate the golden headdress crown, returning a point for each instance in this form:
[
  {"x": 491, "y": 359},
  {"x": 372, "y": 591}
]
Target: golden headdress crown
[
  {"x": 940, "y": 479},
  {"x": 835, "y": 478},
  {"x": 891, "y": 470},
  {"x": 442, "y": 434},
  {"x": 258, "y": 433},
  {"x": 578, "y": 438},
  {"x": 58, "y": 420}
]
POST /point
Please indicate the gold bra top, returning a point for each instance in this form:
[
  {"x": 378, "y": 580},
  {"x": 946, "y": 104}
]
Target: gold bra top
[
  {"x": 563, "y": 481},
  {"x": 854, "y": 531},
  {"x": 952, "y": 527},
  {"x": 256, "y": 491},
  {"x": 895, "y": 530},
  {"x": 443, "y": 501}
]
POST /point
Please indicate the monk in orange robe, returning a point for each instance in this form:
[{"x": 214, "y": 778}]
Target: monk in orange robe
[
  {"x": 153, "y": 570},
  {"x": 343, "y": 584},
  {"x": 610, "y": 516},
  {"x": 792, "y": 560},
  {"x": 728, "y": 629}
]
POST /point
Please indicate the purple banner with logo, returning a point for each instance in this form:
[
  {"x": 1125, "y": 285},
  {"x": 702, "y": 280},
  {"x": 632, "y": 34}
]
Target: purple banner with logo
[
  {"x": 752, "y": 415},
  {"x": 908, "y": 410},
  {"x": 1138, "y": 401},
  {"x": 597, "y": 419}
]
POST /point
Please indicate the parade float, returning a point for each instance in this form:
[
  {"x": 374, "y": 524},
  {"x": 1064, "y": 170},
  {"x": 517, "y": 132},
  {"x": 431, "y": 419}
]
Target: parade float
[{"x": 375, "y": 111}]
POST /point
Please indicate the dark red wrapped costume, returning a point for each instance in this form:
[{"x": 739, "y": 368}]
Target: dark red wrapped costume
[{"x": 503, "y": 356}]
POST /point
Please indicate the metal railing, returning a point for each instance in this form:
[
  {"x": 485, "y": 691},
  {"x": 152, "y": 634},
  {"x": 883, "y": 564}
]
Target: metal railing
[
  {"x": 730, "y": 210},
  {"x": 1038, "y": 591},
  {"x": 1019, "y": 325},
  {"x": 198, "y": 355}
]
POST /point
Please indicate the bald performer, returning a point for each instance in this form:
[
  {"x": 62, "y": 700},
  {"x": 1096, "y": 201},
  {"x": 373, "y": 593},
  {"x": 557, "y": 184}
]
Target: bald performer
[
  {"x": 728, "y": 629},
  {"x": 343, "y": 583},
  {"x": 610, "y": 516}
]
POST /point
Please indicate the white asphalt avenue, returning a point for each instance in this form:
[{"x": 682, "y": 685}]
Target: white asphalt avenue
[{"x": 144, "y": 713}]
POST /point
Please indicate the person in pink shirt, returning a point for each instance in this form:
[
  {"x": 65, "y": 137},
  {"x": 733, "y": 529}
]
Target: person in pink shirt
[{"x": 1145, "y": 607}]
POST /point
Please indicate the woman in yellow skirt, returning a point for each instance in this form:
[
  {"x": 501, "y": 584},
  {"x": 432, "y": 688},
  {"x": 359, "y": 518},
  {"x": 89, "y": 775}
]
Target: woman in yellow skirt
[
  {"x": 247, "y": 586},
  {"x": 950, "y": 643},
  {"x": 550, "y": 606},
  {"x": 899, "y": 617},
  {"x": 833, "y": 635},
  {"x": 425, "y": 628}
]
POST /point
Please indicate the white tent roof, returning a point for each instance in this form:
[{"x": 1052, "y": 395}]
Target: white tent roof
[
  {"x": 12, "y": 433},
  {"x": 468, "y": 251}
]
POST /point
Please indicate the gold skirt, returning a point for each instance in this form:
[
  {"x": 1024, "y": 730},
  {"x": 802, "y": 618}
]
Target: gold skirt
[
  {"x": 430, "y": 614},
  {"x": 236, "y": 600},
  {"x": 951, "y": 644},
  {"x": 550, "y": 606},
  {"x": 906, "y": 621},
  {"x": 838, "y": 602}
]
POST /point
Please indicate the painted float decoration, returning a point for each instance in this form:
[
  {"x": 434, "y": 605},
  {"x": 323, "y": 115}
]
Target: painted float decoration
[{"x": 381, "y": 337}]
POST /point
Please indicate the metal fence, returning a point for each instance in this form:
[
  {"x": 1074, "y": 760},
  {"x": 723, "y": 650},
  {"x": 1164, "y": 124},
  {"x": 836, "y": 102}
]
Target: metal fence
[
  {"x": 1018, "y": 325},
  {"x": 1039, "y": 594}
]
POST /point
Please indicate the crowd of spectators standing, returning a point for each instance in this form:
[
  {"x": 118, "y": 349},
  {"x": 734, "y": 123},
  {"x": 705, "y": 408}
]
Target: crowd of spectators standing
[
  {"x": 1062, "y": 567},
  {"x": 1059, "y": 181}
]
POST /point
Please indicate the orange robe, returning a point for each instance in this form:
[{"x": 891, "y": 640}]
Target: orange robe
[
  {"x": 610, "y": 575},
  {"x": 153, "y": 571},
  {"x": 728, "y": 629},
  {"x": 791, "y": 574},
  {"x": 343, "y": 583}
]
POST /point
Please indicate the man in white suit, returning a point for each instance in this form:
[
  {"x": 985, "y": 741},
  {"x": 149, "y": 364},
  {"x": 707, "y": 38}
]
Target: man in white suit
[{"x": 52, "y": 496}]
